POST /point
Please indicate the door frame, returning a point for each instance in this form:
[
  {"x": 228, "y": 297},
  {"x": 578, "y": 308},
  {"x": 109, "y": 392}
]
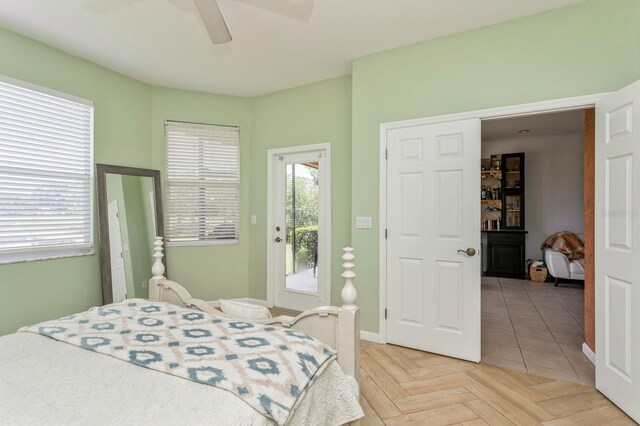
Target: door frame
[
  {"x": 533, "y": 108},
  {"x": 324, "y": 253}
]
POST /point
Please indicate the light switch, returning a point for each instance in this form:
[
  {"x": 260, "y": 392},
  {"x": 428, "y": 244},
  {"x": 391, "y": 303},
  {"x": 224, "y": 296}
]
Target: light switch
[
  {"x": 254, "y": 220},
  {"x": 363, "y": 222}
]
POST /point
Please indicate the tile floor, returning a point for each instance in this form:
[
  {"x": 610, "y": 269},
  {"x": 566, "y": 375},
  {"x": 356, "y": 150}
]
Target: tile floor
[{"x": 535, "y": 328}]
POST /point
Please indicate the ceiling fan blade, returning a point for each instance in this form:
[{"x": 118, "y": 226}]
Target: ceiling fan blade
[
  {"x": 213, "y": 21},
  {"x": 299, "y": 10}
]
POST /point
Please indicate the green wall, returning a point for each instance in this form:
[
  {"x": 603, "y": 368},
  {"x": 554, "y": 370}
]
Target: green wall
[
  {"x": 588, "y": 48},
  {"x": 311, "y": 114},
  {"x": 208, "y": 272},
  {"x": 37, "y": 291}
]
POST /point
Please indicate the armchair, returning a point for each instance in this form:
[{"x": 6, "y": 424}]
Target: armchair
[{"x": 560, "y": 267}]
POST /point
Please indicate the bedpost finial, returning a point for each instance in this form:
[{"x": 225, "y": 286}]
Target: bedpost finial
[
  {"x": 349, "y": 294},
  {"x": 158, "y": 267}
]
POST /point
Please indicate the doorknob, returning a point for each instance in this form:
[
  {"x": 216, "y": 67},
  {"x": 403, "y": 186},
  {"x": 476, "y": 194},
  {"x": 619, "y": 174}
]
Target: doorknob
[
  {"x": 278, "y": 239},
  {"x": 469, "y": 252}
]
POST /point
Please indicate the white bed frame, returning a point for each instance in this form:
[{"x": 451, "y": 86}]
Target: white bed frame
[{"x": 338, "y": 327}]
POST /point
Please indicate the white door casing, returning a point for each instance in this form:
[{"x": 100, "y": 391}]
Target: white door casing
[
  {"x": 277, "y": 293},
  {"x": 617, "y": 268},
  {"x": 118, "y": 280},
  {"x": 433, "y": 211}
]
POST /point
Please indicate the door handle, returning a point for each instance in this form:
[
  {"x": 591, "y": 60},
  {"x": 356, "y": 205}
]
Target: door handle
[
  {"x": 278, "y": 239},
  {"x": 469, "y": 252}
]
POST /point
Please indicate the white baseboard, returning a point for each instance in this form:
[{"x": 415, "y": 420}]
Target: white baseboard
[
  {"x": 369, "y": 336},
  {"x": 586, "y": 350}
]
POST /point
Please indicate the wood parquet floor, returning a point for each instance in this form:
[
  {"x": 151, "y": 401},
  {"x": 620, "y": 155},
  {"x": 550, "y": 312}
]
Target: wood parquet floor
[{"x": 404, "y": 386}]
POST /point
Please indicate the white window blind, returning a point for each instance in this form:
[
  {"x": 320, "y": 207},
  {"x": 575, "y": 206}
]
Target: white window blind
[
  {"x": 46, "y": 166},
  {"x": 203, "y": 183}
]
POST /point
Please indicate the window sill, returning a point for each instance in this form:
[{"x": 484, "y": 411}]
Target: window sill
[{"x": 47, "y": 257}]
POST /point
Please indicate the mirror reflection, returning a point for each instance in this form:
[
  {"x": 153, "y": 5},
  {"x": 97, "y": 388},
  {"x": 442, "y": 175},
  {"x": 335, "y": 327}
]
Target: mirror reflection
[
  {"x": 130, "y": 216},
  {"x": 131, "y": 230}
]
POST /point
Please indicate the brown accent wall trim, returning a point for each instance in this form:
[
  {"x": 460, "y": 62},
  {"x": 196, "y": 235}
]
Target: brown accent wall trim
[{"x": 589, "y": 228}]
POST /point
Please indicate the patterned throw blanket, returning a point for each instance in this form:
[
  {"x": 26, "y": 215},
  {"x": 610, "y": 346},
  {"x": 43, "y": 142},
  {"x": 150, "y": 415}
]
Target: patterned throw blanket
[
  {"x": 267, "y": 367},
  {"x": 567, "y": 243}
]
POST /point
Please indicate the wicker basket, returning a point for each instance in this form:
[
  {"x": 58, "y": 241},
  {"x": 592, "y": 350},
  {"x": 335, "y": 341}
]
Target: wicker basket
[{"x": 538, "y": 274}]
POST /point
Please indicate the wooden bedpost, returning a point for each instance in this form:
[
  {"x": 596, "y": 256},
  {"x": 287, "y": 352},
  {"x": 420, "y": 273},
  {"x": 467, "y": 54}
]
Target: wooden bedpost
[
  {"x": 349, "y": 320},
  {"x": 157, "y": 269}
]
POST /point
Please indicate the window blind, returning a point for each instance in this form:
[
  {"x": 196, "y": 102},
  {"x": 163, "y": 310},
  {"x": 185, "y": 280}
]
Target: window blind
[
  {"x": 46, "y": 166},
  {"x": 203, "y": 183}
]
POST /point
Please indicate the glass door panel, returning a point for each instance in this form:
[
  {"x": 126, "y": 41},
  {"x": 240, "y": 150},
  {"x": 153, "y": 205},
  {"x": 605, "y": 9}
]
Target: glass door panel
[
  {"x": 301, "y": 218},
  {"x": 513, "y": 211},
  {"x": 513, "y": 171}
]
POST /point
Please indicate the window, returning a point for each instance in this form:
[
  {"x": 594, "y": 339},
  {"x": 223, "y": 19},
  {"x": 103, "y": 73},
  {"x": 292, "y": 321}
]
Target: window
[
  {"x": 46, "y": 169},
  {"x": 203, "y": 183}
]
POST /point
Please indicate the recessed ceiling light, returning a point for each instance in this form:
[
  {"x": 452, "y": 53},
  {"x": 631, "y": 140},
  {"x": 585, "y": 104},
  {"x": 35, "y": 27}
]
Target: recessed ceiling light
[{"x": 524, "y": 131}]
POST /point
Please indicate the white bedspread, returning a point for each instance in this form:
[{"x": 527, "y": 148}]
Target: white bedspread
[{"x": 43, "y": 381}]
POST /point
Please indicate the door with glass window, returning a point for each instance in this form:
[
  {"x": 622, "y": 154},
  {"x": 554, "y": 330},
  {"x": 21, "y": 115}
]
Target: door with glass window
[{"x": 299, "y": 234}]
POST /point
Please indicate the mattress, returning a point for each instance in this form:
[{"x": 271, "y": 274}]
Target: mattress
[{"x": 43, "y": 381}]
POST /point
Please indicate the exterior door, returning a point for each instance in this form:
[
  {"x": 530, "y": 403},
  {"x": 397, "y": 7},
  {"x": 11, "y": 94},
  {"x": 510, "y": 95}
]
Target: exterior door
[
  {"x": 118, "y": 280},
  {"x": 300, "y": 229},
  {"x": 433, "y": 238},
  {"x": 617, "y": 268}
]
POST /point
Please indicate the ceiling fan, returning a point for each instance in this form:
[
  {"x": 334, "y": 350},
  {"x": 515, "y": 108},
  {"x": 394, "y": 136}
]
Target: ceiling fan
[
  {"x": 210, "y": 14},
  {"x": 213, "y": 21},
  {"x": 217, "y": 28}
]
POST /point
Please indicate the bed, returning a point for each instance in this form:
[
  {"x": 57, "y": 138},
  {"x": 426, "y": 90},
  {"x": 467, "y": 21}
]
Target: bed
[{"x": 174, "y": 359}]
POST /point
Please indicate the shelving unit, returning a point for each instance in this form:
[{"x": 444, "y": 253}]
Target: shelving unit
[
  {"x": 505, "y": 243},
  {"x": 491, "y": 207}
]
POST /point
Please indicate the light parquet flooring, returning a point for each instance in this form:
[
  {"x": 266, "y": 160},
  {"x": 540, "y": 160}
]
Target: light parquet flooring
[{"x": 405, "y": 386}]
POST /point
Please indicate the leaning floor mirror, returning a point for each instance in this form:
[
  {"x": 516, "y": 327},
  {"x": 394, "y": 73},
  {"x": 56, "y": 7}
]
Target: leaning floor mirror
[{"x": 129, "y": 217}]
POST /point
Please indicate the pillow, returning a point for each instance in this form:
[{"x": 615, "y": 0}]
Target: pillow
[{"x": 244, "y": 310}]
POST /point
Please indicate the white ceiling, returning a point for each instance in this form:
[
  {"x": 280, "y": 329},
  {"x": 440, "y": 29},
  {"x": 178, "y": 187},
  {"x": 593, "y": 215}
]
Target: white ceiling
[
  {"x": 558, "y": 123},
  {"x": 276, "y": 44}
]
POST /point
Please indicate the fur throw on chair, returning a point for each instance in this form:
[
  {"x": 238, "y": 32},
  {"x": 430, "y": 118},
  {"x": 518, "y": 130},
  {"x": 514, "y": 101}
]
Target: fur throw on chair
[{"x": 567, "y": 243}]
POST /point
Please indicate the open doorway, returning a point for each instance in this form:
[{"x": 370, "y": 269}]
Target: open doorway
[{"x": 533, "y": 237}]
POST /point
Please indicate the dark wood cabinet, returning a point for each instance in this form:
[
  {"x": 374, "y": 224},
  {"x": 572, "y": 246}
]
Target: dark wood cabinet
[{"x": 506, "y": 251}]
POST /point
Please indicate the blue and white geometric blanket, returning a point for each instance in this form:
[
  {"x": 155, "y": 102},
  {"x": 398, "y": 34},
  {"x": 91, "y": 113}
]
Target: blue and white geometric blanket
[{"x": 267, "y": 367}]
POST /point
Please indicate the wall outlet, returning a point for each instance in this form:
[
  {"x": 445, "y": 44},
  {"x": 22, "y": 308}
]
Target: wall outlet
[
  {"x": 144, "y": 284},
  {"x": 363, "y": 222},
  {"x": 254, "y": 220}
]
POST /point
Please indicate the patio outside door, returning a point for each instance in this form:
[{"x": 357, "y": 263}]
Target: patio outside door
[{"x": 299, "y": 231}]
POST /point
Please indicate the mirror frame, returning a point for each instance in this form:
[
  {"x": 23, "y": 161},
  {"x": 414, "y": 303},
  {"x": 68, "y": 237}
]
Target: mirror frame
[{"x": 103, "y": 219}]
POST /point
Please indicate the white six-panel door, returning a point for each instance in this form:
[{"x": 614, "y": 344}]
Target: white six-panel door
[
  {"x": 433, "y": 216},
  {"x": 618, "y": 248}
]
